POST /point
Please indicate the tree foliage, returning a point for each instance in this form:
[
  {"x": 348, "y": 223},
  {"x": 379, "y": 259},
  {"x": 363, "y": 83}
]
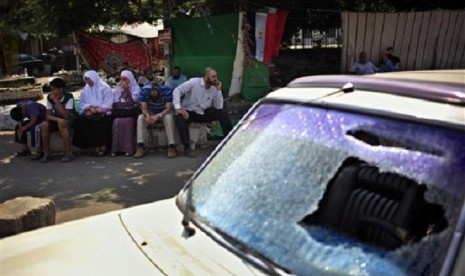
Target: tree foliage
[
  {"x": 22, "y": 16},
  {"x": 64, "y": 16}
]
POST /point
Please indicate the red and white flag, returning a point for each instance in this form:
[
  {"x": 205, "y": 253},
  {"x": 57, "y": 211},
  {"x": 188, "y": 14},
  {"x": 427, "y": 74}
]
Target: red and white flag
[
  {"x": 260, "y": 28},
  {"x": 269, "y": 29}
]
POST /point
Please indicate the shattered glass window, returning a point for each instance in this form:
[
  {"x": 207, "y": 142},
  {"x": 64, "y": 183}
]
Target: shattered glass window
[{"x": 276, "y": 167}]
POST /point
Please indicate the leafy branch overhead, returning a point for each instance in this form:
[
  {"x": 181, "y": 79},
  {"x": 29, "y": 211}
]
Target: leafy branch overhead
[{"x": 62, "y": 17}]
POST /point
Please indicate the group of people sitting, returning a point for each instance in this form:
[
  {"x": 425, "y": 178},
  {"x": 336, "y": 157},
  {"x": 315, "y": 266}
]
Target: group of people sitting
[
  {"x": 115, "y": 121},
  {"x": 389, "y": 62}
]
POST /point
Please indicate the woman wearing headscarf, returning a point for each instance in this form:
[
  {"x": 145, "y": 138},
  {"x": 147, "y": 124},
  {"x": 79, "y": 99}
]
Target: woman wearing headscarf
[
  {"x": 124, "y": 111},
  {"x": 93, "y": 126}
]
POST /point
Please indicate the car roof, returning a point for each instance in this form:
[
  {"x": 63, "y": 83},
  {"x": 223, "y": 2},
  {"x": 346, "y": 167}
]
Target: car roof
[
  {"x": 447, "y": 86},
  {"x": 433, "y": 97},
  {"x": 445, "y": 76}
]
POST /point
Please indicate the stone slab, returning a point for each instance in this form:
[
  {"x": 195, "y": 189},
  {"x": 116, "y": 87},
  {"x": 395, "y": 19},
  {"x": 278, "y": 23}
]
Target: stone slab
[
  {"x": 25, "y": 213},
  {"x": 17, "y": 82}
]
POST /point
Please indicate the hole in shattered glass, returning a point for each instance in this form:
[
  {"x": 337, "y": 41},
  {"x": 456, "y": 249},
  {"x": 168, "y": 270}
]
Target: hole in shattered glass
[
  {"x": 378, "y": 140},
  {"x": 380, "y": 209}
]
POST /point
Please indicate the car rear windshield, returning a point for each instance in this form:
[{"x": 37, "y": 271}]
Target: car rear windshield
[{"x": 268, "y": 185}]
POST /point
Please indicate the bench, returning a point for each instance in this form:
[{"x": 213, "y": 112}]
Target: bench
[
  {"x": 198, "y": 136},
  {"x": 156, "y": 137}
]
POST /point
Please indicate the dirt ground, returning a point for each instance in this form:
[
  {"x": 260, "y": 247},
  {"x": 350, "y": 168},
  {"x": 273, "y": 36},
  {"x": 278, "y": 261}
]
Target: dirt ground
[{"x": 93, "y": 185}]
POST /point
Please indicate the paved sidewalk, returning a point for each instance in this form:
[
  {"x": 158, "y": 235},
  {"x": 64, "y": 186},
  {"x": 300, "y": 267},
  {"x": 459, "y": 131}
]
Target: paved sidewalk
[{"x": 93, "y": 185}]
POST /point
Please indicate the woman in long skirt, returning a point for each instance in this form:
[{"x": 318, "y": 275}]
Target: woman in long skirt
[
  {"x": 93, "y": 126},
  {"x": 124, "y": 124}
]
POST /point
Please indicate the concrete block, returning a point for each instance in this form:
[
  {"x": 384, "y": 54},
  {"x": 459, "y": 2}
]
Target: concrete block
[
  {"x": 198, "y": 133},
  {"x": 6, "y": 123},
  {"x": 156, "y": 136},
  {"x": 198, "y": 136},
  {"x": 56, "y": 143},
  {"x": 25, "y": 213}
]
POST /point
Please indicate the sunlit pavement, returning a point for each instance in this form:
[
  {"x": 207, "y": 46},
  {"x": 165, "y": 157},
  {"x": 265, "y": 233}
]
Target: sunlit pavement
[{"x": 93, "y": 185}]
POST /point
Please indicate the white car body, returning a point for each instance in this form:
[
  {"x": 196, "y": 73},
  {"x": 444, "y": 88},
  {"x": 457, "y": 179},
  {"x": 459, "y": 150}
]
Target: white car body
[
  {"x": 143, "y": 240},
  {"x": 151, "y": 240}
]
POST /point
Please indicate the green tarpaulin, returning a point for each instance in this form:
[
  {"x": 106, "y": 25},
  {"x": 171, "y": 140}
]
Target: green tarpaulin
[
  {"x": 256, "y": 81},
  {"x": 211, "y": 42},
  {"x": 205, "y": 42}
]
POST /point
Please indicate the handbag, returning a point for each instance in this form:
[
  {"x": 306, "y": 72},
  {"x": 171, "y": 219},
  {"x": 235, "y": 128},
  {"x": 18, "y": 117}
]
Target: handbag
[{"x": 123, "y": 110}]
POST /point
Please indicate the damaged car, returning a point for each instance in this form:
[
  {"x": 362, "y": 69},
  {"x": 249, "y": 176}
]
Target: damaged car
[{"x": 330, "y": 175}]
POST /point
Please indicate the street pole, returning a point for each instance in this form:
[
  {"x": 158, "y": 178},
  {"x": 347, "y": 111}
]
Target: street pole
[
  {"x": 166, "y": 46},
  {"x": 76, "y": 53},
  {"x": 243, "y": 5}
]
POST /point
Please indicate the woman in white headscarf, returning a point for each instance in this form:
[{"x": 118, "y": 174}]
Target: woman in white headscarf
[
  {"x": 124, "y": 124},
  {"x": 93, "y": 126}
]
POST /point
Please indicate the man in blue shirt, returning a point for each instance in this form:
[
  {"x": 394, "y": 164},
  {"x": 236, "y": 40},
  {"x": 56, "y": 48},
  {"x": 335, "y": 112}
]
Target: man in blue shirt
[
  {"x": 156, "y": 105},
  {"x": 176, "y": 78},
  {"x": 386, "y": 64},
  {"x": 28, "y": 114}
]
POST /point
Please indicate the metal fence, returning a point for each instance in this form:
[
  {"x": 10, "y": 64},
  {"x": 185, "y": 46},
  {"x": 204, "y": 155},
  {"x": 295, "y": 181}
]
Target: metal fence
[
  {"x": 322, "y": 29},
  {"x": 309, "y": 38}
]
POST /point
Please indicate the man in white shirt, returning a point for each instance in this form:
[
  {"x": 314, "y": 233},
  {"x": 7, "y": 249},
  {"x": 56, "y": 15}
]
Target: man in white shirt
[
  {"x": 363, "y": 66},
  {"x": 199, "y": 100}
]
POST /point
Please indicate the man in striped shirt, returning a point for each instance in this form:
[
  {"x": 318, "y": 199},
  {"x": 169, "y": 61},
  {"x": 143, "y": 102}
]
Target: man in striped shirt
[{"x": 156, "y": 105}]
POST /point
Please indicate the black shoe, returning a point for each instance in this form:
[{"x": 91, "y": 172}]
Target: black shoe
[
  {"x": 67, "y": 158},
  {"x": 45, "y": 159},
  {"x": 188, "y": 153}
]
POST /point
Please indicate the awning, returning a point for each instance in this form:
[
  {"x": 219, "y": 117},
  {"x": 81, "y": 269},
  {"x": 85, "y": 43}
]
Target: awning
[{"x": 143, "y": 30}]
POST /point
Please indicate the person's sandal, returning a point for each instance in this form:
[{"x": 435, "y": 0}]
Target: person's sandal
[
  {"x": 99, "y": 151},
  {"x": 37, "y": 156},
  {"x": 23, "y": 153},
  {"x": 102, "y": 151}
]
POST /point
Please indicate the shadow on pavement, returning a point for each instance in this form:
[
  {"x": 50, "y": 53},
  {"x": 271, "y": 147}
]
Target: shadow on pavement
[{"x": 93, "y": 185}]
